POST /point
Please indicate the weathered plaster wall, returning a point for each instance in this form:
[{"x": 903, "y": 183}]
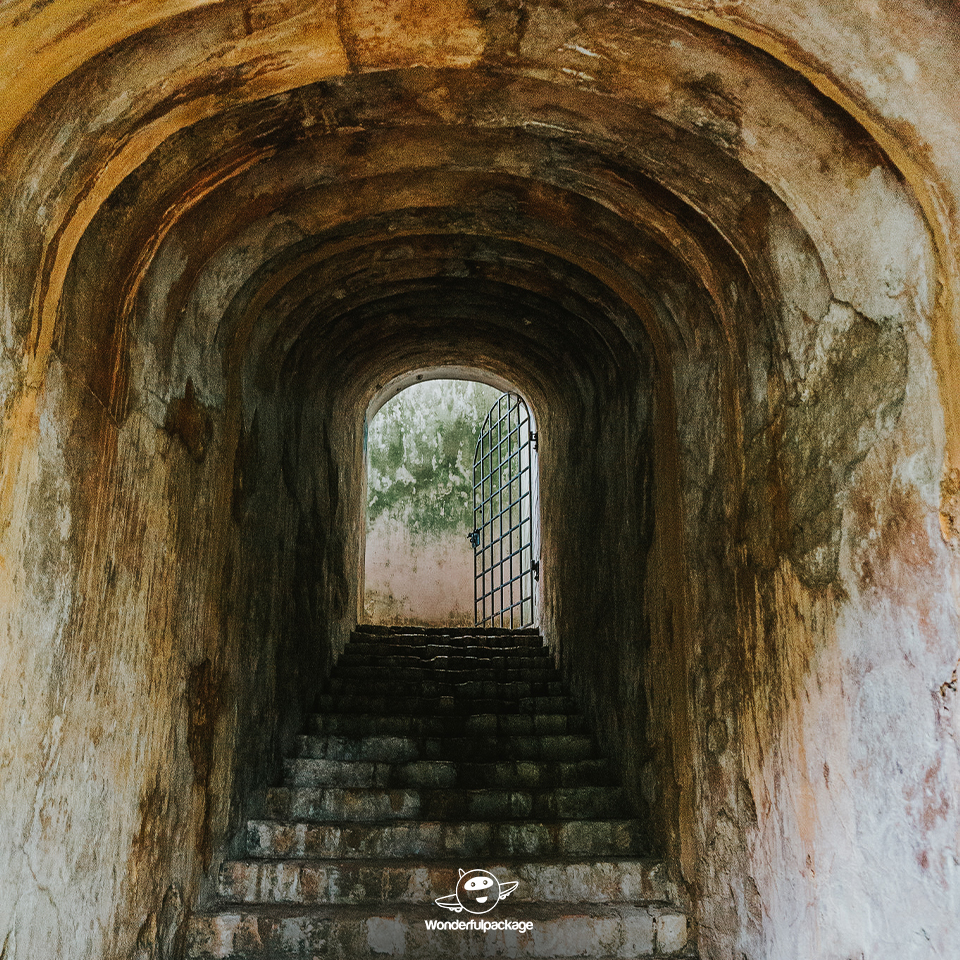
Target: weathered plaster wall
[
  {"x": 419, "y": 562},
  {"x": 799, "y": 712},
  {"x": 176, "y": 595},
  {"x": 411, "y": 581},
  {"x": 715, "y": 246}
]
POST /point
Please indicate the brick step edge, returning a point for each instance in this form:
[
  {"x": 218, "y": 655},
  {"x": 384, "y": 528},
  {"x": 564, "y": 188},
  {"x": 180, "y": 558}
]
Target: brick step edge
[
  {"x": 427, "y": 650},
  {"x": 442, "y": 705},
  {"x": 442, "y": 725},
  {"x": 432, "y": 839},
  {"x": 361, "y": 804},
  {"x": 494, "y": 642},
  {"x": 372, "y": 629},
  {"x": 439, "y": 774},
  {"x": 465, "y": 689},
  {"x": 636, "y": 881},
  {"x": 360, "y": 669},
  {"x": 381, "y": 748},
  {"x": 415, "y": 653},
  {"x": 559, "y": 931}
]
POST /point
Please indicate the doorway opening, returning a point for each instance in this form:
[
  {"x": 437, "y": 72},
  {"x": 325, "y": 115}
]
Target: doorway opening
[{"x": 427, "y": 539}]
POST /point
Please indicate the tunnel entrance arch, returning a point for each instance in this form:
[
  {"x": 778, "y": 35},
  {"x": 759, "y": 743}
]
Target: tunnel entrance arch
[
  {"x": 506, "y": 563},
  {"x": 417, "y": 562}
]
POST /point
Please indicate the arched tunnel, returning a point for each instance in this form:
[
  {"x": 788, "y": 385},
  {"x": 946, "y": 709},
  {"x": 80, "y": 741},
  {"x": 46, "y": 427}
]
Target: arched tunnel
[{"x": 713, "y": 250}]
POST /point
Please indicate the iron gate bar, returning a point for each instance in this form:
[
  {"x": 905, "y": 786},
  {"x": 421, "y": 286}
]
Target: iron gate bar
[{"x": 504, "y": 567}]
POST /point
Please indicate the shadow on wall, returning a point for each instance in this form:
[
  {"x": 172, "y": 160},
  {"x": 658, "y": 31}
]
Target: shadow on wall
[{"x": 419, "y": 560}]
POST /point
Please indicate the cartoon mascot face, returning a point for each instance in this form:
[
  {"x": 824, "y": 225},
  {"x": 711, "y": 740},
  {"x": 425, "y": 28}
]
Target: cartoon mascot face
[{"x": 478, "y": 891}]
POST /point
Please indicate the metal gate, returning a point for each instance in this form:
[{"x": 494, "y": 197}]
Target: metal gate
[{"x": 504, "y": 483}]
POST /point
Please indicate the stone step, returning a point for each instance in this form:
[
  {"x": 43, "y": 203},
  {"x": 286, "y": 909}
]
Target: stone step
[
  {"x": 484, "y": 724},
  {"x": 445, "y": 839},
  {"x": 479, "y": 634},
  {"x": 457, "y": 658},
  {"x": 434, "y": 751},
  {"x": 404, "y": 704},
  {"x": 441, "y": 670},
  {"x": 560, "y": 931},
  {"x": 505, "y": 774},
  {"x": 615, "y": 880},
  {"x": 383, "y": 749},
  {"x": 459, "y": 689},
  {"x": 381, "y": 649},
  {"x": 398, "y": 628},
  {"x": 365, "y": 804},
  {"x": 495, "y": 643}
]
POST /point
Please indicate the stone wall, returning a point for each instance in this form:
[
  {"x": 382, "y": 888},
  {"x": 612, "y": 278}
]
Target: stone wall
[{"x": 716, "y": 247}]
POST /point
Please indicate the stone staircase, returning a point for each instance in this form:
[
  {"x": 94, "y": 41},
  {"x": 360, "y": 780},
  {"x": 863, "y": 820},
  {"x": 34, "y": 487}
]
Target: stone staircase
[{"x": 433, "y": 753}]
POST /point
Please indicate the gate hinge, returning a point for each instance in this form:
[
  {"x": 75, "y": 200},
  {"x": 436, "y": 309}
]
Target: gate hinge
[
  {"x": 535, "y": 440},
  {"x": 536, "y": 570},
  {"x": 474, "y": 537}
]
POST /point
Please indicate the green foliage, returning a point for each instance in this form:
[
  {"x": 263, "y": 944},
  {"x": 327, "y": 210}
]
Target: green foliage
[{"x": 420, "y": 457}]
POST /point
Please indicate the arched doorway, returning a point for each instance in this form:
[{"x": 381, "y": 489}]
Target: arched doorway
[{"x": 420, "y": 560}]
